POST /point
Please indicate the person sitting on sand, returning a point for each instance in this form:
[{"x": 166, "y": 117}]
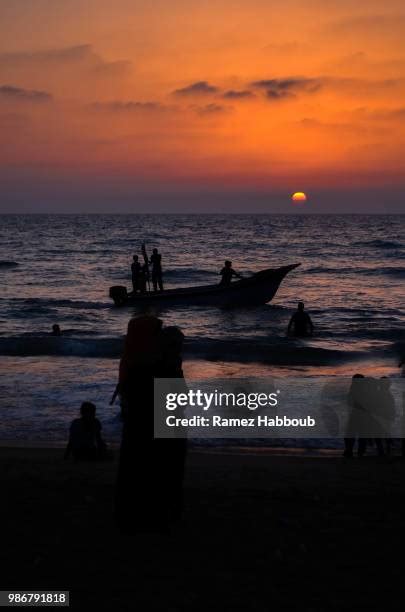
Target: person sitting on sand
[
  {"x": 56, "y": 330},
  {"x": 85, "y": 442},
  {"x": 300, "y": 323},
  {"x": 227, "y": 273}
]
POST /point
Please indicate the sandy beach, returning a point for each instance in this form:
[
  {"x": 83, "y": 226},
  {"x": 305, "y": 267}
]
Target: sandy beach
[{"x": 259, "y": 532}]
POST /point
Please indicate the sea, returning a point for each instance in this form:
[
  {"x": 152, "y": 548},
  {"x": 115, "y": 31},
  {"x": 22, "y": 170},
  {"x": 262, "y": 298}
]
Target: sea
[{"x": 58, "y": 269}]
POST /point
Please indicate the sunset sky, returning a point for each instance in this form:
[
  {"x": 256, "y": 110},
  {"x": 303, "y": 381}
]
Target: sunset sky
[{"x": 196, "y": 105}]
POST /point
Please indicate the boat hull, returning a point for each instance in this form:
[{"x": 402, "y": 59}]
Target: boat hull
[{"x": 260, "y": 288}]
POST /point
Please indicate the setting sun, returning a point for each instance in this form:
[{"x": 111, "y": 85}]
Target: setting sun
[{"x": 299, "y": 196}]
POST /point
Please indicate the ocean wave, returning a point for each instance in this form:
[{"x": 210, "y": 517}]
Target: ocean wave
[
  {"x": 42, "y": 303},
  {"x": 244, "y": 351},
  {"x": 382, "y": 271},
  {"x": 26, "y": 346},
  {"x": 380, "y": 244},
  {"x": 8, "y": 264},
  {"x": 289, "y": 352}
]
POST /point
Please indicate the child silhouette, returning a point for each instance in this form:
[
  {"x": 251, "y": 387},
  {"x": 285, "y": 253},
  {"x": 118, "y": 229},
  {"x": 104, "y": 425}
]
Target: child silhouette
[{"x": 85, "y": 442}]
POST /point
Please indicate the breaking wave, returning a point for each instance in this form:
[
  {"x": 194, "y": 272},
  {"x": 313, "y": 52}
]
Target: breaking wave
[
  {"x": 385, "y": 271},
  {"x": 8, "y": 264},
  {"x": 245, "y": 351},
  {"x": 381, "y": 244}
]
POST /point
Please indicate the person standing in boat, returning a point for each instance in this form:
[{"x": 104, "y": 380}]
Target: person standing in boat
[
  {"x": 136, "y": 270},
  {"x": 156, "y": 262},
  {"x": 227, "y": 273},
  {"x": 300, "y": 323}
]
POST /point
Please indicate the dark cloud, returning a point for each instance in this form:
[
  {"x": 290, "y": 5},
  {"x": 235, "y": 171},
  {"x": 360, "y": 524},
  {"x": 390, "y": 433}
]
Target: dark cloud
[
  {"x": 74, "y": 57},
  {"x": 274, "y": 94},
  {"x": 211, "y": 109},
  {"x": 279, "y": 89},
  {"x": 65, "y": 54},
  {"x": 233, "y": 94},
  {"x": 198, "y": 88},
  {"x": 128, "y": 106},
  {"x": 9, "y": 92}
]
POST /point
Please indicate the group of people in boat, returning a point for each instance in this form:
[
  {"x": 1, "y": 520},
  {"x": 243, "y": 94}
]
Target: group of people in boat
[
  {"x": 300, "y": 324},
  {"x": 141, "y": 275}
]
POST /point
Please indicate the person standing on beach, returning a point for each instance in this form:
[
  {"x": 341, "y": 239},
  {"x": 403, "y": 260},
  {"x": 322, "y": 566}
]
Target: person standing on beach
[
  {"x": 386, "y": 411},
  {"x": 156, "y": 262},
  {"x": 300, "y": 323},
  {"x": 357, "y": 414},
  {"x": 150, "y": 473}
]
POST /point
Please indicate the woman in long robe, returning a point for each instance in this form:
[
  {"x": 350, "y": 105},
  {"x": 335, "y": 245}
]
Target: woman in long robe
[{"x": 150, "y": 473}]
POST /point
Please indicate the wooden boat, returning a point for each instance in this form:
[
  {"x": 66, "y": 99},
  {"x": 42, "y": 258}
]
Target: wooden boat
[{"x": 260, "y": 288}]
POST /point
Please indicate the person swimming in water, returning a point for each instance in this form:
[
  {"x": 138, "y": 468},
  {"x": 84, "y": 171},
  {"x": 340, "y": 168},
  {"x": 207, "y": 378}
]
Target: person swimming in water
[
  {"x": 300, "y": 323},
  {"x": 56, "y": 330},
  {"x": 227, "y": 273}
]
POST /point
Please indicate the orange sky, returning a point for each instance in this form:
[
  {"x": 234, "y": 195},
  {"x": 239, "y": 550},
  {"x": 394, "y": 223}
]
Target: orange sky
[{"x": 187, "y": 96}]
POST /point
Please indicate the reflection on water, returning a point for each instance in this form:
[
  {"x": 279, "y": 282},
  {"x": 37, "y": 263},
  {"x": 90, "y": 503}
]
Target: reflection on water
[{"x": 59, "y": 269}]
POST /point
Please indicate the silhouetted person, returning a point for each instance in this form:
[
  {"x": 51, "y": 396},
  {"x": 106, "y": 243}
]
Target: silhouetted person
[
  {"x": 369, "y": 417},
  {"x": 85, "y": 442},
  {"x": 173, "y": 451},
  {"x": 300, "y": 323},
  {"x": 386, "y": 412},
  {"x": 227, "y": 273},
  {"x": 356, "y": 417},
  {"x": 377, "y": 427},
  {"x": 56, "y": 330},
  {"x": 150, "y": 472},
  {"x": 136, "y": 269},
  {"x": 156, "y": 262}
]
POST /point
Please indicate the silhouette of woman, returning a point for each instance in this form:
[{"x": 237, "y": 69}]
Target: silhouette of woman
[{"x": 150, "y": 474}]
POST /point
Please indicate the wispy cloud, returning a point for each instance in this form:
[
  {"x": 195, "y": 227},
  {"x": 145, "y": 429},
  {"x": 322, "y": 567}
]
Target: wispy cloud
[
  {"x": 233, "y": 94},
  {"x": 9, "y": 92},
  {"x": 196, "y": 89},
  {"x": 65, "y": 54},
  {"x": 278, "y": 89},
  {"x": 211, "y": 109},
  {"x": 128, "y": 106},
  {"x": 81, "y": 57}
]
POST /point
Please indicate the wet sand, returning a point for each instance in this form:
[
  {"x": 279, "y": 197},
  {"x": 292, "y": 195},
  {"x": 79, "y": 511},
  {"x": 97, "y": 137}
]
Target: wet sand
[{"x": 262, "y": 532}]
